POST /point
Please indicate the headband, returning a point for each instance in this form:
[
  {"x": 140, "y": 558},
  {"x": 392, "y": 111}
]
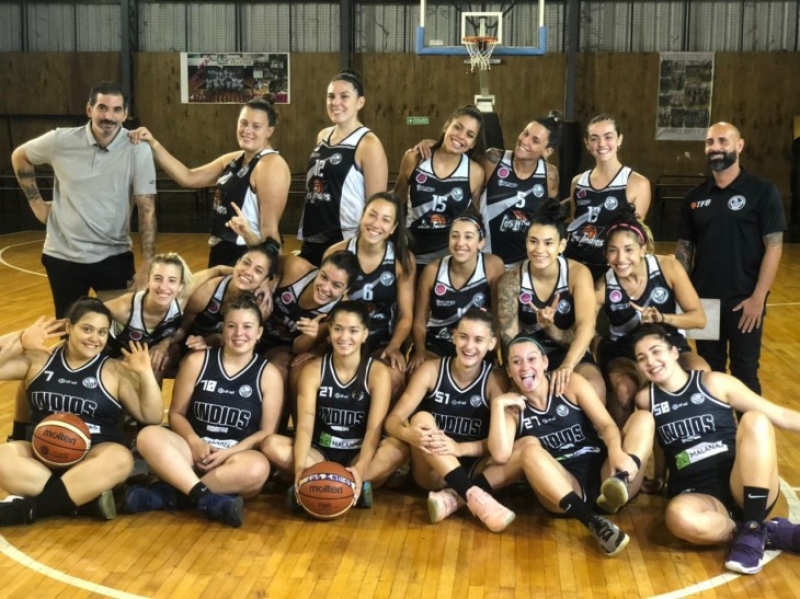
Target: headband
[
  {"x": 474, "y": 220},
  {"x": 627, "y": 227}
]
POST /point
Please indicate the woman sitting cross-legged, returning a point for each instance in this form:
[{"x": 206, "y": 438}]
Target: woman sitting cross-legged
[{"x": 225, "y": 401}]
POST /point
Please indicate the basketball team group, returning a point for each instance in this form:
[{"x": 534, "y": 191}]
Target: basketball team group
[{"x": 467, "y": 330}]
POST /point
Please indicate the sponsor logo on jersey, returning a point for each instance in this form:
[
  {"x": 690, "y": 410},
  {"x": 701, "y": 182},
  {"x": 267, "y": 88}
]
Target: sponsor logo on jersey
[
  {"x": 479, "y": 300},
  {"x": 611, "y": 203},
  {"x": 525, "y": 298},
  {"x": 590, "y": 235},
  {"x": 336, "y": 158},
  {"x": 697, "y": 398},
  {"x": 581, "y": 193},
  {"x": 135, "y": 335},
  {"x": 510, "y": 184},
  {"x": 503, "y": 172},
  {"x": 562, "y": 410},
  {"x": 213, "y": 306},
  {"x": 615, "y": 295},
  {"x": 515, "y": 222},
  {"x": 698, "y": 453},
  {"x": 90, "y": 382},
  {"x": 737, "y": 202},
  {"x": 538, "y": 190},
  {"x": 659, "y": 295},
  {"x": 438, "y": 221},
  {"x": 426, "y": 188},
  {"x": 440, "y": 289},
  {"x": 224, "y": 178},
  {"x": 457, "y": 194},
  {"x": 564, "y": 307},
  {"x": 387, "y": 279},
  {"x": 287, "y": 297},
  {"x": 421, "y": 178},
  {"x": 475, "y": 401},
  {"x": 245, "y": 391}
]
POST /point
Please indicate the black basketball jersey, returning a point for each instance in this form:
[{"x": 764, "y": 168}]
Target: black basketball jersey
[
  {"x": 462, "y": 414},
  {"x": 696, "y": 430},
  {"x": 232, "y": 186},
  {"x": 334, "y": 191},
  {"x": 225, "y": 409},
  {"x": 281, "y": 327},
  {"x": 378, "y": 290},
  {"x": 507, "y": 204},
  {"x": 59, "y": 388},
  {"x": 342, "y": 411},
  {"x": 595, "y": 210},
  {"x": 135, "y": 329},
  {"x": 563, "y": 429},
  {"x": 624, "y": 318},
  {"x": 209, "y": 321},
  {"x": 448, "y": 304},
  {"x": 434, "y": 204},
  {"x": 565, "y": 310}
]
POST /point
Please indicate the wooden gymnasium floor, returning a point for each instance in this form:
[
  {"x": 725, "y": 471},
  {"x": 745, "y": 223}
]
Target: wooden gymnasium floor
[{"x": 390, "y": 550}]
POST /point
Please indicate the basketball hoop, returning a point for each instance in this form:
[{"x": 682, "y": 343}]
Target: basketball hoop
[{"x": 480, "y": 48}]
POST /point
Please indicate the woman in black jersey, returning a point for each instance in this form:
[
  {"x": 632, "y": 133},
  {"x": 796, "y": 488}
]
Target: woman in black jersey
[
  {"x": 723, "y": 477},
  {"x": 552, "y": 299},
  {"x": 342, "y": 401},
  {"x": 598, "y": 195},
  {"x": 154, "y": 315},
  {"x": 565, "y": 444},
  {"x": 517, "y": 184},
  {"x": 443, "y": 184},
  {"x": 255, "y": 178},
  {"x": 641, "y": 287},
  {"x": 348, "y": 165},
  {"x": 443, "y": 419},
  {"x": 225, "y": 401},
  {"x": 449, "y": 287},
  {"x": 202, "y": 318},
  {"x": 385, "y": 281},
  {"x": 74, "y": 377}
]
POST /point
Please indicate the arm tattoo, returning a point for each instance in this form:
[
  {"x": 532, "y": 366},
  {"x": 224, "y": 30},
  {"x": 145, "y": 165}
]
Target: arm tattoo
[
  {"x": 146, "y": 205},
  {"x": 507, "y": 307},
  {"x": 684, "y": 253},
  {"x": 27, "y": 181},
  {"x": 774, "y": 238}
]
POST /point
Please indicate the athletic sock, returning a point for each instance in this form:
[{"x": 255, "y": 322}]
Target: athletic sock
[
  {"x": 575, "y": 507},
  {"x": 54, "y": 500},
  {"x": 19, "y": 431},
  {"x": 458, "y": 480},
  {"x": 197, "y": 492},
  {"x": 755, "y": 504},
  {"x": 481, "y": 482}
]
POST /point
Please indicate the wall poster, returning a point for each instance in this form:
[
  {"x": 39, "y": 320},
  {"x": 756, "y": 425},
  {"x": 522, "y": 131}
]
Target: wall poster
[
  {"x": 684, "y": 95},
  {"x": 234, "y": 78}
]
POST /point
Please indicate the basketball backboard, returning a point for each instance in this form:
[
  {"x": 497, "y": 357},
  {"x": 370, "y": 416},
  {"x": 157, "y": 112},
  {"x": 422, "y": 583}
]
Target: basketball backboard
[{"x": 518, "y": 26}]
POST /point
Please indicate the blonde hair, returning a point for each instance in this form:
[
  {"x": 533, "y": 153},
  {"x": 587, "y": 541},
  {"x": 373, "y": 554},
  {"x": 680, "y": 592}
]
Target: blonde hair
[{"x": 175, "y": 259}]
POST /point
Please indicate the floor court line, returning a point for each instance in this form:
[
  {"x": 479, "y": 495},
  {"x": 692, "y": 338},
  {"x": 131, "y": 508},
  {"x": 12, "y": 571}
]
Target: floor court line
[{"x": 19, "y": 268}]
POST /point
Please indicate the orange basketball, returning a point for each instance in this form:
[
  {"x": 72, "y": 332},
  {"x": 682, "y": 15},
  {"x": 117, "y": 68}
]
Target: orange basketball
[
  {"x": 61, "y": 440},
  {"x": 326, "y": 490}
]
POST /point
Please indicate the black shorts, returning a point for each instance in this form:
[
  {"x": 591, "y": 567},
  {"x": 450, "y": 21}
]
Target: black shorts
[
  {"x": 345, "y": 457},
  {"x": 556, "y": 355},
  {"x": 586, "y": 471},
  {"x": 715, "y": 482}
]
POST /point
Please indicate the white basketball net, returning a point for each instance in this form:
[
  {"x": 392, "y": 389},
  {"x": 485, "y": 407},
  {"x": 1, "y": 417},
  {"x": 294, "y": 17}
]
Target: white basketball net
[{"x": 480, "y": 48}]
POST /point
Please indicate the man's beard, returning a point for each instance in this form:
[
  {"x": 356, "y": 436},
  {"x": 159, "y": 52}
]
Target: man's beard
[{"x": 728, "y": 160}]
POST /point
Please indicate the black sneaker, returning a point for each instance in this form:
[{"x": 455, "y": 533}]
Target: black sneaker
[
  {"x": 291, "y": 501},
  {"x": 227, "y": 509},
  {"x": 747, "y": 548},
  {"x": 17, "y": 510},
  {"x": 613, "y": 493},
  {"x": 158, "y": 496},
  {"x": 612, "y": 540}
]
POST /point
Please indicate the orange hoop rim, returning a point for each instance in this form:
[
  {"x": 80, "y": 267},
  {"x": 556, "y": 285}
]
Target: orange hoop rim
[{"x": 478, "y": 39}]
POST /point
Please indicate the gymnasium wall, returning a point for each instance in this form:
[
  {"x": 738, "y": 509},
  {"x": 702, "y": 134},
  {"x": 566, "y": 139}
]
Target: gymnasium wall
[{"x": 753, "y": 90}]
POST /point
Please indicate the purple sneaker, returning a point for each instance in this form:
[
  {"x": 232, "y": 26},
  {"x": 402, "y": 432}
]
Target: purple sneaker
[
  {"x": 783, "y": 535},
  {"x": 747, "y": 548}
]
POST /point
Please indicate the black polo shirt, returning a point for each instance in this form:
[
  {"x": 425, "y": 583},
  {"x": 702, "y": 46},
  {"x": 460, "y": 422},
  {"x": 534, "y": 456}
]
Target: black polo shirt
[{"x": 727, "y": 227}]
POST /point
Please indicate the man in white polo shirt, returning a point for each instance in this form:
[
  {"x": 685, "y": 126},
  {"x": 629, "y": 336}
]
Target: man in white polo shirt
[{"x": 97, "y": 173}]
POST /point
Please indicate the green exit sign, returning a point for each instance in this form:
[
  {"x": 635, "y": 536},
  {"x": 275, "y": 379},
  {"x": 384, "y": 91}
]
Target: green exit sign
[{"x": 417, "y": 120}]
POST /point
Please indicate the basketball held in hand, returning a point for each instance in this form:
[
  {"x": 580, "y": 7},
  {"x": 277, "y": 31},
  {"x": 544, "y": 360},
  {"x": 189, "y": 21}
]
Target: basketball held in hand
[
  {"x": 61, "y": 440},
  {"x": 326, "y": 490}
]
